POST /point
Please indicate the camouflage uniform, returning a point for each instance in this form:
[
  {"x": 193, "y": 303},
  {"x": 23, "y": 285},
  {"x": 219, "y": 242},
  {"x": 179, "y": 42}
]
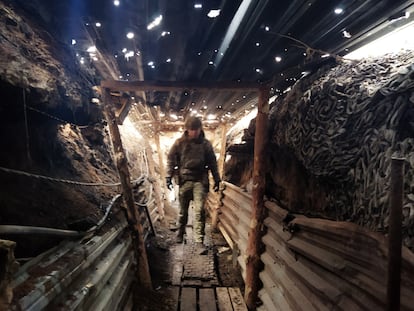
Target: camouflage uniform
[{"x": 189, "y": 161}]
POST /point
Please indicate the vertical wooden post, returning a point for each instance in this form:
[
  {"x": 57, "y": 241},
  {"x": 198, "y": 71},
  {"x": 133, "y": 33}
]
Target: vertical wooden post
[
  {"x": 254, "y": 243},
  {"x": 162, "y": 170},
  {"x": 220, "y": 165},
  {"x": 143, "y": 274},
  {"x": 157, "y": 188},
  {"x": 395, "y": 235},
  {"x": 222, "y": 156}
]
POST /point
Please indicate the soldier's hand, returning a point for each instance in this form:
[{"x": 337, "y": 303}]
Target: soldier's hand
[{"x": 169, "y": 183}]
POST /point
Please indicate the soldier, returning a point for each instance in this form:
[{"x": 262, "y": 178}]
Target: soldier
[{"x": 190, "y": 159}]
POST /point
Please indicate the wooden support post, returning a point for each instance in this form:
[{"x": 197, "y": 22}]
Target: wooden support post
[
  {"x": 143, "y": 274},
  {"x": 8, "y": 267},
  {"x": 162, "y": 170},
  {"x": 154, "y": 181},
  {"x": 220, "y": 164},
  {"x": 222, "y": 156},
  {"x": 256, "y": 230},
  {"x": 395, "y": 235}
]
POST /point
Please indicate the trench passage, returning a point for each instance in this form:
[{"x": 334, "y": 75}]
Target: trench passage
[{"x": 196, "y": 283}]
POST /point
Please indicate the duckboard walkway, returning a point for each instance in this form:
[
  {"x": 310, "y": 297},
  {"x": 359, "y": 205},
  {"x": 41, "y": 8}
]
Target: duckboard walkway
[{"x": 195, "y": 279}]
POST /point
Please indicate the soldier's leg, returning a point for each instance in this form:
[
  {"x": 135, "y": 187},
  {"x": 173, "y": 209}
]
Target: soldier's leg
[
  {"x": 199, "y": 193},
  {"x": 184, "y": 196}
]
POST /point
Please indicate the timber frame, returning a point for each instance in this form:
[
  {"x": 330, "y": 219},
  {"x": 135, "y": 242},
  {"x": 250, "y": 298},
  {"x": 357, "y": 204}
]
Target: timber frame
[{"x": 261, "y": 138}]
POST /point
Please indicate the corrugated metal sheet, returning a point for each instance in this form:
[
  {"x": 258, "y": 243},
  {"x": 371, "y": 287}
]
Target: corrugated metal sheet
[
  {"x": 315, "y": 264},
  {"x": 95, "y": 273}
]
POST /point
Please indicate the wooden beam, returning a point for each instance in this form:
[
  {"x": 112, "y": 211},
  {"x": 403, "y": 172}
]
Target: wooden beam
[
  {"x": 223, "y": 143},
  {"x": 395, "y": 234},
  {"x": 133, "y": 217},
  {"x": 134, "y": 86},
  {"x": 154, "y": 181},
  {"x": 162, "y": 170},
  {"x": 256, "y": 230},
  {"x": 220, "y": 165},
  {"x": 123, "y": 112}
]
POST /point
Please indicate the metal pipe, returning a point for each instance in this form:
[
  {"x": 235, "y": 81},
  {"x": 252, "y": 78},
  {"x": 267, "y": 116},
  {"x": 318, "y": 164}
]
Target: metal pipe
[
  {"x": 14, "y": 229},
  {"x": 395, "y": 235}
]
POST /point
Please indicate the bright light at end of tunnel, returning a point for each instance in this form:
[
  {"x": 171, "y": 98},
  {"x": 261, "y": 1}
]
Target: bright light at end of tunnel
[
  {"x": 130, "y": 35},
  {"x": 117, "y": 2}
]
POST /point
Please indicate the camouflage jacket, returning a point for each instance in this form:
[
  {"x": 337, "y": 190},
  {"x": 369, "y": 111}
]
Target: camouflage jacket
[{"x": 191, "y": 159}]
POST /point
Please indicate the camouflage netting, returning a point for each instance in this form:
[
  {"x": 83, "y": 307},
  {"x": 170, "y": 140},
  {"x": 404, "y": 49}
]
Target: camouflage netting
[{"x": 344, "y": 125}]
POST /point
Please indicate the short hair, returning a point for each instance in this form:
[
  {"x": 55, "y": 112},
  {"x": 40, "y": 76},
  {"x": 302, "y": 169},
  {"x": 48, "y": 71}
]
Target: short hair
[{"x": 193, "y": 123}]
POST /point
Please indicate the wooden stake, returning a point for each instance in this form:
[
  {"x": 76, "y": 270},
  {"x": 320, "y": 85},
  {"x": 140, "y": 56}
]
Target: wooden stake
[
  {"x": 143, "y": 274},
  {"x": 254, "y": 244}
]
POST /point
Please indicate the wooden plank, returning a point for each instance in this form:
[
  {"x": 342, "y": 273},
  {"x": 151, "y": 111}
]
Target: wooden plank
[
  {"x": 207, "y": 301},
  {"x": 237, "y": 299},
  {"x": 174, "y": 293},
  {"x": 223, "y": 299},
  {"x": 188, "y": 299},
  {"x": 177, "y": 273},
  {"x": 178, "y": 85}
]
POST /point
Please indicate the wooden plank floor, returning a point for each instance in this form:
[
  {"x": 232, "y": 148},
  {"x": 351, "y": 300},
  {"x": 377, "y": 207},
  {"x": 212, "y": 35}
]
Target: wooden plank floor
[
  {"x": 195, "y": 281},
  {"x": 211, "y": 299}
]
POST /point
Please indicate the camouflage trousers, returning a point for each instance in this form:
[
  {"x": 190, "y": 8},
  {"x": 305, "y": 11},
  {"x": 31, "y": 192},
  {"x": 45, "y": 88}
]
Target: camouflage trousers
[{"x": 196, "y": 191}]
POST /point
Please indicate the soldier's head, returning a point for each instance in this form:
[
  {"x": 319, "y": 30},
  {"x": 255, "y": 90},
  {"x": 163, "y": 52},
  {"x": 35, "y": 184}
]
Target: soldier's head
[{"x": 193, "y": 125}]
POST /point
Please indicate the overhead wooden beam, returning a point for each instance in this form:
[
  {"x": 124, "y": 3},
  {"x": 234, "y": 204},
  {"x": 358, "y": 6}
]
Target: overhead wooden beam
[
  {"x": 134, "y": 86},
  {"x": 258, "y": 214}
]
